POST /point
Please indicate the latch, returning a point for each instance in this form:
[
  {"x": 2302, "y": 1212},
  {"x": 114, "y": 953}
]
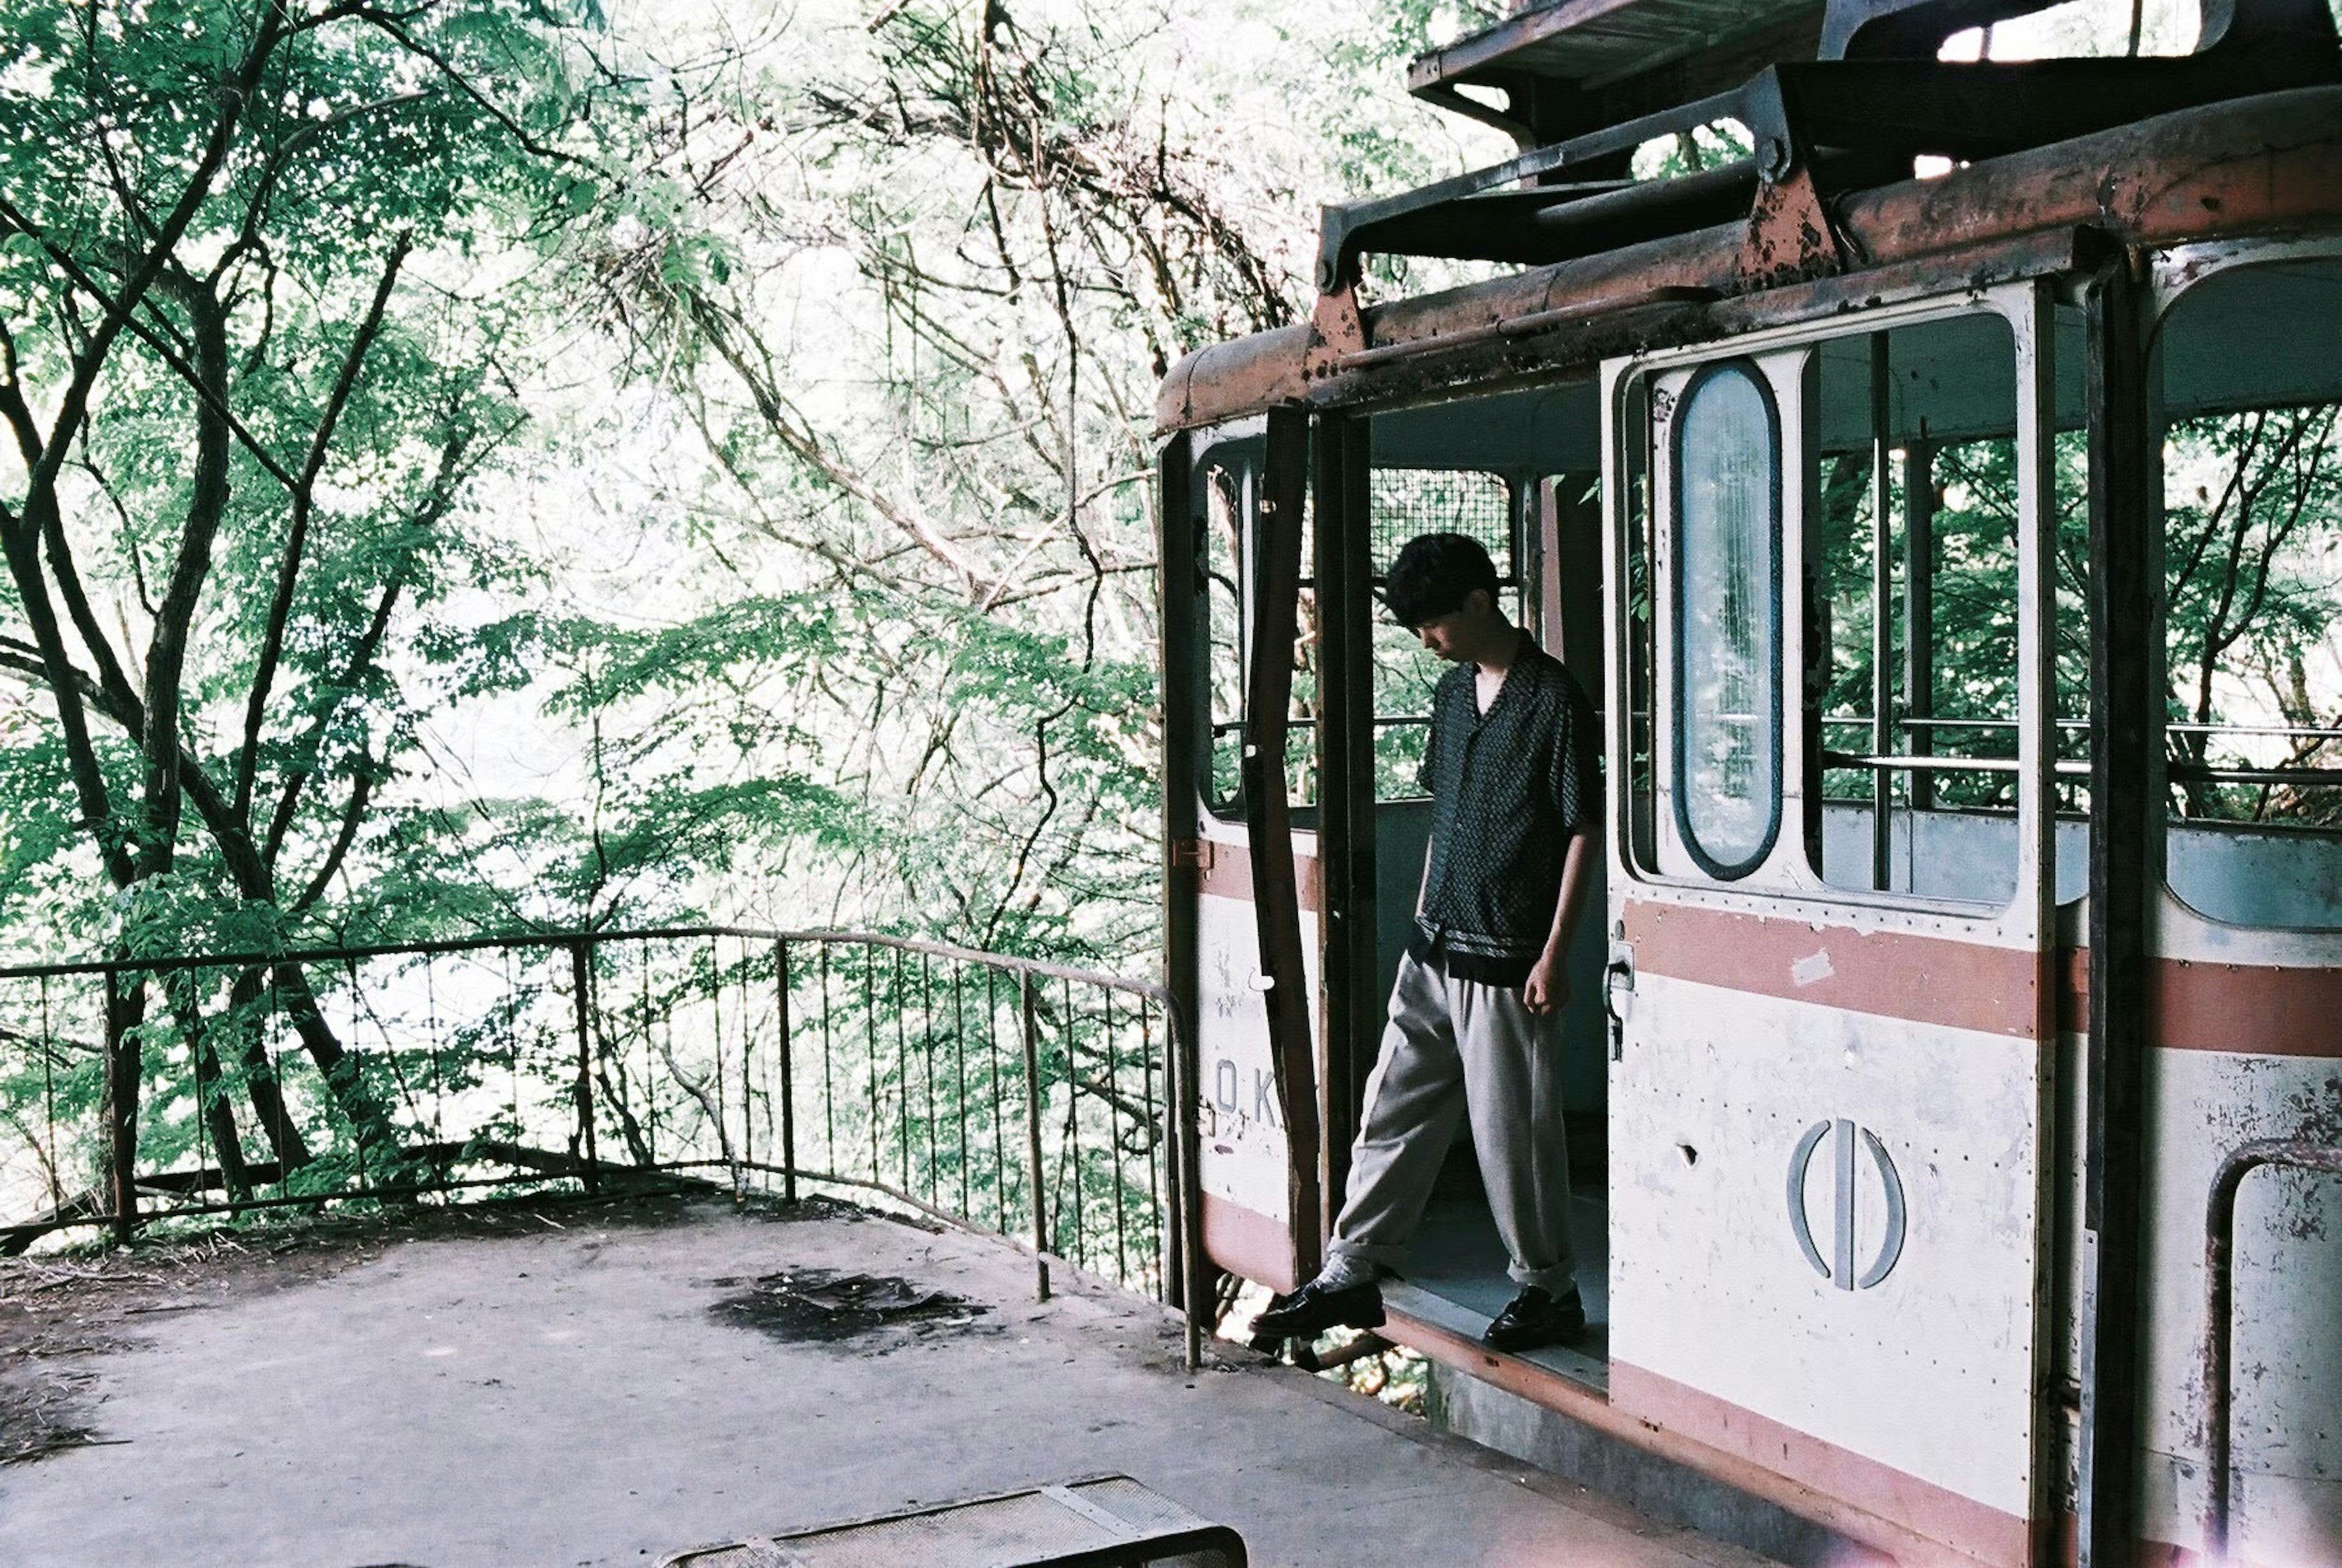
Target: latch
[
  {"x": 1192, "y": 854},
  {"x": 1618, "y": 990}
]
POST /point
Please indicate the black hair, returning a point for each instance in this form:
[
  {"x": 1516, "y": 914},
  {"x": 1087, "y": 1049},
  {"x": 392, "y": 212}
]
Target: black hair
[{"x": 1433, "y": 575}]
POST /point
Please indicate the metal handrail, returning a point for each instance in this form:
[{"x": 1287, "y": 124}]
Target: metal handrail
[
  {"x": 2173, "y": 726},
  {"x": 1181, "y": 1197},
  {"x": 1942, "y": 765},
  {"x": 2220, "y": 1246}
]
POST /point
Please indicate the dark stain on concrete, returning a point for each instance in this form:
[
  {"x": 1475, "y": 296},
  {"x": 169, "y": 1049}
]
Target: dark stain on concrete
[{"x": 818, "y": 1306}]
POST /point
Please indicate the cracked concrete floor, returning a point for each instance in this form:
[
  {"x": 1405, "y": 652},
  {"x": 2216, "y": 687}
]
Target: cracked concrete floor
[{"x": 566, "y": 1396}]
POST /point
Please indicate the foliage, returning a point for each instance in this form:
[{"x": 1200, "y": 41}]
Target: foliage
[
  {"x": 256, "y": 351},
  {"x": 480, "y": 466}
]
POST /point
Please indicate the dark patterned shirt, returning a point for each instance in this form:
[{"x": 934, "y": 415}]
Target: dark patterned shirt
[{"x": 1507, "y": 788}]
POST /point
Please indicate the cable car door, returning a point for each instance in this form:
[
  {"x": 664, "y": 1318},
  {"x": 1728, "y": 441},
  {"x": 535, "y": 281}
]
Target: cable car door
[
  {"x": 1242, "y": 878},
  {"x": 1832, "y": 929}
]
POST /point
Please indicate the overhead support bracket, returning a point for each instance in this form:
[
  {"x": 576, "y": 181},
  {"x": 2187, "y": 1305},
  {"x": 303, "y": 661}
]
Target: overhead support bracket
[{"x": 1818, "y": 129}]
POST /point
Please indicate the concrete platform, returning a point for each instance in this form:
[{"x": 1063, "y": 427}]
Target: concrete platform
[{"x": 566, "y": 1396}]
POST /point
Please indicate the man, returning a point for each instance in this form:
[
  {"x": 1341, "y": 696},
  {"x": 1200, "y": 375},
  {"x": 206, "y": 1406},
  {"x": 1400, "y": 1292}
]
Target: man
[{"x": 1510, "y": 768}]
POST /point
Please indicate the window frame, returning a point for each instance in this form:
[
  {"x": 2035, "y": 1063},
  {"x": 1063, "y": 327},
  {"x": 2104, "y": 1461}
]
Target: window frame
[
  {"x": 2177, "y": 276},
  {"x": 1784, "y": 885},
  {"x": 1679, "y": 758}
]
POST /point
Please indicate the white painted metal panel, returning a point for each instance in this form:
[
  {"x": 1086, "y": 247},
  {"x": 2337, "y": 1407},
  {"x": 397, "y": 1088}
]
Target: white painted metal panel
[
  {"x": 1245, "y": 1152},
  {"x": 1829, "y": 1195},
  {"x": 1926, "y": 1371},
  {"x": 2286, "y": 1505}
]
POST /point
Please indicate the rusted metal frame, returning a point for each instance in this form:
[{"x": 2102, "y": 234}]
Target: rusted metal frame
[
  {"x": 1882, "y": 624},
  {"x": 1875, "y": 114},
  {"x": 1187, "y": 723},
  {"x": 1917, "y": 29},
  {"x": 2125, "y": 467},
  {"x": 1919, "y": 612},
  {"x": 1442, "y": 360},
  {"x": 1345, "y": 786},
  {"x": 1342, "y": 228},
  {"x": 2035, "y": 370},
  {"x": 1031, "y": 1038},
  {"x": 1276, "y": 900},
  {"x": 1987, "y": 109},
  {"x": 1535, "y": 224},
  {"x": 1549, "y": 101},
  {"x": 1526, "y": 326},
  {"x": 2219, "y": 1271},
  {"x": 1007, "y": 964},
  {"x": 1908, "y": 29},
  {"x": 2241, "y": 167},
  {"x": 788, "y": 1077}
]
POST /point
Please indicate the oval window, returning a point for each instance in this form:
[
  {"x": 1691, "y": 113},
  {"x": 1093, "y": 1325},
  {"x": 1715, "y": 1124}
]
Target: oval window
[{"x": 1727, "y": 617}]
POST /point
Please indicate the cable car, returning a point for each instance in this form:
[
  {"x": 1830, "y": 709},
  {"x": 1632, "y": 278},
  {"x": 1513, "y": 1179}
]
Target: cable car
[{"x": 1938, "y": 495}]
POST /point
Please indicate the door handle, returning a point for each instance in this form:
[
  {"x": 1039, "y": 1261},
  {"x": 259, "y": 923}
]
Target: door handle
[{"x": 1618, "y": 995}]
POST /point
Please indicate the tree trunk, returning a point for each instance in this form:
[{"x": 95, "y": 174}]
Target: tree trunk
[
  {"x": 219, "y": 1116},
  {"x": 267, "y": 1096},
  {"x": 125, "y": 1009},
  {"x": 368, "y": 1117}
]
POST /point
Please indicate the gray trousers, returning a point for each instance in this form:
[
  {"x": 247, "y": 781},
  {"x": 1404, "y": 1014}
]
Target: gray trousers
[{"x": 1454, "y": 1048}]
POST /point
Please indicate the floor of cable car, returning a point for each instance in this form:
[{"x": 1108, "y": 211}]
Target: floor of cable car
[{"x": 1456, "y": 1277}]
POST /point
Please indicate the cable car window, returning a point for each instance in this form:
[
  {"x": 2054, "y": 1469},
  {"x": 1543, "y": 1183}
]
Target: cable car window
[
  {"x": 2251, "y": 363},
  {"x": 1228, "y": 557},
  {"x": 1727, "y": 458},
  {"x": 1408, "y": 502},
  {"x": 1912, "y": 551},
  {"x": 1222, "y": 560}
]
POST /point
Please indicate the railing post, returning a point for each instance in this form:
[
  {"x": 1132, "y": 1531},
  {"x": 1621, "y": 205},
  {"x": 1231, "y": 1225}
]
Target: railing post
[
  {"x": 122, "y": 1076},
  {"x": 789, "y": 1079},
  {"x": 581, "y": 975},
  {"x": 1033, "y": 1143},
  {"x": 1188, "y": 1128}
]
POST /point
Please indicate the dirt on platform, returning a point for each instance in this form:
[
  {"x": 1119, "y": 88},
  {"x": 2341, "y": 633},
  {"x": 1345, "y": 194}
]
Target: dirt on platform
[
  {"x": 59, "y": 1309},
  {"x": 824, "y": 1307}
]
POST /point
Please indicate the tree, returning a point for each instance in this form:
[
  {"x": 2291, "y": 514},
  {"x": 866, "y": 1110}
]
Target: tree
[{"x": 248, "y": 376}]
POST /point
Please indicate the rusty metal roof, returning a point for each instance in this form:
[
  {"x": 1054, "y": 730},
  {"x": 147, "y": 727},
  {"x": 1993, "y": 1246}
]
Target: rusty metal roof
[
  {"x": 1596, "y": 43},
  {"x": 2259, "y": 164}
]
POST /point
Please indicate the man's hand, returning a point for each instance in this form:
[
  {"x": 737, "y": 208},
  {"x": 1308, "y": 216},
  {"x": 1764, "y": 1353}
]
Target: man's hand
[{"x": 1547, "y": 990}]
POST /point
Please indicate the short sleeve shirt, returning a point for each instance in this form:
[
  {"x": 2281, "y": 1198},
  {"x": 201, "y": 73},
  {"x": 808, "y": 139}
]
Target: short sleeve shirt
[{"x": 1509, "y": 787}]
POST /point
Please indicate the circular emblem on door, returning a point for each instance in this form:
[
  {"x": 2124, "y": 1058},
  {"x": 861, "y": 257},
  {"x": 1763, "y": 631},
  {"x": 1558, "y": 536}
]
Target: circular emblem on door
[{"x": 1850, "y": 1179}]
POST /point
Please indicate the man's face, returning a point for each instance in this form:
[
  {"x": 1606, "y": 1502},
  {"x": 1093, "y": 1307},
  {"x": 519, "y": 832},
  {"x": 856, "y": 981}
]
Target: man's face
[
  {"x": 1459, "y": 635},
  {"x": 1443, "y": 635}
]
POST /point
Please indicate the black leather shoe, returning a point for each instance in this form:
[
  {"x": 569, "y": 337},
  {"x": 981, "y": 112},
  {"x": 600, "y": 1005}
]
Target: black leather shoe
[
  {"x": 1536, "y": 1318},
  {"x": 1313, "y": 1309}
]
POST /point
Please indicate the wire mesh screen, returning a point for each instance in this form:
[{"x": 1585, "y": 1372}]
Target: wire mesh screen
[
  {"x": 1408, "y": 501},
  {"x": 1411, "y": 501}
]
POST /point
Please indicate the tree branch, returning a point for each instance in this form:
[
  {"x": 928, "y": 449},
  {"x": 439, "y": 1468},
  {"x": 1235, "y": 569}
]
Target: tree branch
[
  {"x": 280, "y": 606},
  {"x": 166, "y": 651},
  {"x": 361, "y": 789},
  {"x": 304, "y": 758}
]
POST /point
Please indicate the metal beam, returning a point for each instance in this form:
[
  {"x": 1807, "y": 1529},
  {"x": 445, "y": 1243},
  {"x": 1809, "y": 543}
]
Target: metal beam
[
  {"x": 1276, "y": 898},
  {"x": 1345, "y": 786},
  {"x": 2124, "y": 708}
]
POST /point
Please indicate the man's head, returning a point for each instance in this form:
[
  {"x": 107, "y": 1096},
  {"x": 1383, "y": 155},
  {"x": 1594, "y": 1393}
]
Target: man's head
[{"x": 1443, "y": 588}]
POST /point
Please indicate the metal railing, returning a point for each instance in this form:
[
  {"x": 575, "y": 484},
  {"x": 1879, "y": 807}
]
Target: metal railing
[{"x": 1046, "y": 1104}]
